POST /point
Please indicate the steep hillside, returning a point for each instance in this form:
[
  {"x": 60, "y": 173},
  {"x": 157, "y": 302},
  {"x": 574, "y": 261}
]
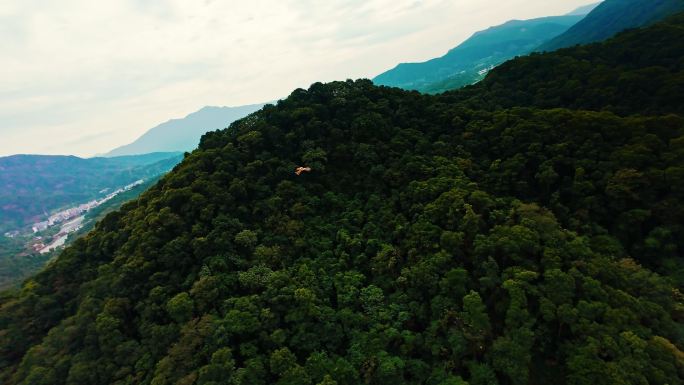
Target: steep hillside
[
  {"x": 184, "y": 134},
  {"x": 34, "y": 188},
  {"x": 639, "y": 71},
  {"x": 431, "y": 243},
  {"x": 613, "y": 16},
  {"x": 470, "y": 61},
  {"x": 19, "y": 261}
]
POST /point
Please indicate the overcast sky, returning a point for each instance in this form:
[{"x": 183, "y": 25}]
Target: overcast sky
[{"x": 82, "y": 77}]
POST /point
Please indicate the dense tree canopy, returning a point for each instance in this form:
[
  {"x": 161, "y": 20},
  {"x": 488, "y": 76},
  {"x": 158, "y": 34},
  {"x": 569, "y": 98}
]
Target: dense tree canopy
[
  {"x": 639, "y": 71},
  {"x": 612, "y": 16},
  {"x": 432, "y": 243}
]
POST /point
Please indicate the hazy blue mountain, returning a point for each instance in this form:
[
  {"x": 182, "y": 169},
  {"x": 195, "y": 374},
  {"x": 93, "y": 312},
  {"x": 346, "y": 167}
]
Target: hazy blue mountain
[
  {"x": 184, "y": 134},
  {"x": 611, "y": 17},
  {"x": 470, "y": 61},
  {"x": 584, "y": 10}
]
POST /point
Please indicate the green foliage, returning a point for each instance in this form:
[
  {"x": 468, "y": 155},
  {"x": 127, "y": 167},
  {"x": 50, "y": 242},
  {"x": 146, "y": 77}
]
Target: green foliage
[
  {"x": 246, "y": 238},
  {"x": 16, "y": 262},
  {"x": 637, "y": 72},
  {"x": 613, "y": 16},
  {"x": 436, "y": 244},
  {"x": 180, "y": 307}
]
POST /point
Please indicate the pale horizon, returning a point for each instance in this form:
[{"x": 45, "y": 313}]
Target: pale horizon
[{"x": 81, "y": 78}]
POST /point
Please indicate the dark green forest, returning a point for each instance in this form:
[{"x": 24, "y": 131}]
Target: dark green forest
[
  {"x": 633, "y": 73},
  {"x": 509, "y": 233},
  {"x": 17, "y": 261},
  {"x": 613, "y": 16}
]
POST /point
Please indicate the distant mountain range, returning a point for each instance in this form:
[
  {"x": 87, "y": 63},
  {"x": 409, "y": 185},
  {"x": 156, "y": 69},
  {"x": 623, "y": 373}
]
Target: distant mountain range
[
  {"x": 584, "y": 10},
  {"x": 611, "y": 17},
  {"x": 184, "y": 134},
  {"x": 32, "y": 186},
  {"x": 471, "y": 60}
]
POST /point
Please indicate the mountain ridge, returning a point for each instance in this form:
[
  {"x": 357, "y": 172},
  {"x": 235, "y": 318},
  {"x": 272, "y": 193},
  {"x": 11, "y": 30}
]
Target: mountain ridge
[
  {"x": 611, "y": 17},
  {"x": 484, "y": 49},
  {"x": 583, "y": 10},
  {"x": 183, "y": 134},
  {"x": 616, "y": 68}
]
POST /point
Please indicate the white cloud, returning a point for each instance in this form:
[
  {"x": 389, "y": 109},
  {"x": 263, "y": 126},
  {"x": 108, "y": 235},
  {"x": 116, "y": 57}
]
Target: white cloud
[{"x": 74, "y": 69}]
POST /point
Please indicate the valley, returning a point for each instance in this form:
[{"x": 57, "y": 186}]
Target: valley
[
  {"x": 42, "y": 241},
  {"x": 60, "y": 238},
  {"x": 48, "y": 201},
  {"x": 68, "y": 221}
]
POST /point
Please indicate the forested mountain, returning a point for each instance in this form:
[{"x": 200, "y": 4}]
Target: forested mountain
[
  {"x": 436, "y": 240},
  {"x": 635, "y": 72},
  {"x": 613, "y": 16},
  {"x": 34, "y": 185},
  {"x": 469, "y": 62},
  {"x": 184, "y": 134}
]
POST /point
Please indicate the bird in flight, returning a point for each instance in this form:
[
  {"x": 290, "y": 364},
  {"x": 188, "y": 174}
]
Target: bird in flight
[{"x": 300, "y": 170}]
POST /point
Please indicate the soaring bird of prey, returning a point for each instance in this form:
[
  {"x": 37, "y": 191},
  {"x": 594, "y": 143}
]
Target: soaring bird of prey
[{"x": 300, "y": 170}]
